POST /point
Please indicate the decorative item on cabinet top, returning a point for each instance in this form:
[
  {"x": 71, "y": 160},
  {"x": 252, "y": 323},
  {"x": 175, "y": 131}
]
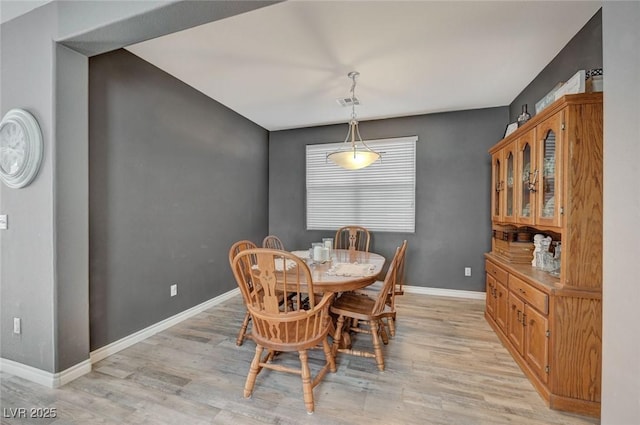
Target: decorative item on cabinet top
[
  {"x": 576, "y": 84},
  {"x": 594, "y": 81},
  {"x": 548, "y": 99},
  {"x": 524, "y": 116},
  {"x": 510, "y": 129}
]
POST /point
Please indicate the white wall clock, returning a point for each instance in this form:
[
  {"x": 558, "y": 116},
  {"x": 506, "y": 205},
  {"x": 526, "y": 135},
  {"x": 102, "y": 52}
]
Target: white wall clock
[{"x": 20, "y": 148}]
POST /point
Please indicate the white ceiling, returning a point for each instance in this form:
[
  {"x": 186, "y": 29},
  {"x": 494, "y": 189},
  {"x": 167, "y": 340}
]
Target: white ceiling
[{"x": 283, "y": 66}]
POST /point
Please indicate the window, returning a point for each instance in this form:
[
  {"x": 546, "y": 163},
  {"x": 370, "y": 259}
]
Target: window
[{"x": 380, "y": 197}]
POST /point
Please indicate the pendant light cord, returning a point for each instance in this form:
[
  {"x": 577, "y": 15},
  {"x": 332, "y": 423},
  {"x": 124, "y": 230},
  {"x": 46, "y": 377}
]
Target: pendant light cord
[{"x": 353, "y": 75}]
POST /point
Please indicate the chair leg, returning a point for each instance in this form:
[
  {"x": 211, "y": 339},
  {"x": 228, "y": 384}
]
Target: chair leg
[
  {"x": 254, "y": 369},
  {"x": 307, "y": 388},
  {"x": 392, "y": 325},
  {"x": 337, "y": 336},
  {"x": 377, "y": 348},
  {"x": 329, "y": 355},
  {"x": 383, "y": 332},
  {"x": 243, "y": 329},
  {"x": 269, "y": 357}
]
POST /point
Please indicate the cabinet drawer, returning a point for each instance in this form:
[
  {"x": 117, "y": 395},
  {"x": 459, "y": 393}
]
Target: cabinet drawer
[
  {"x": 495, "y": 271},
  {"x": 532, "y": 296}
]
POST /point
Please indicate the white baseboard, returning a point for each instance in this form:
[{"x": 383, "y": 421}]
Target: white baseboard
[
  {"x": 39, "y": 376},
  {"x": 128, "y": 341},
  {"x": 55, "y": 380},
  {"x": 441, "y": 292}
]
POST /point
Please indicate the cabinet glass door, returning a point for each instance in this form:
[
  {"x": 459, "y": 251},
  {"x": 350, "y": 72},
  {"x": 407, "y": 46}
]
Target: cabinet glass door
[
  {"x": 509, "y": 191},
  {"x": 526, "y": 179},
  {"x": 548, "y": 168},
  {"x": 548, "y": 175},
  {"x": 496, "y": 178}
]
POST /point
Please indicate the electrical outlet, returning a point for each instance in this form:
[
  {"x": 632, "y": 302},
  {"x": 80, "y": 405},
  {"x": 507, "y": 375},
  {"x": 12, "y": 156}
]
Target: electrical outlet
[
  {"x": 174, "y": 289},
  {"x": 3, "y": 222},
  {"x": 17, "y": 328},
  {"x": 467, "y": 271}
]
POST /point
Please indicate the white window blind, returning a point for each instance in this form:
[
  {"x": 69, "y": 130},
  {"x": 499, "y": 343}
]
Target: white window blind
[{"x": 380, "y": 197}]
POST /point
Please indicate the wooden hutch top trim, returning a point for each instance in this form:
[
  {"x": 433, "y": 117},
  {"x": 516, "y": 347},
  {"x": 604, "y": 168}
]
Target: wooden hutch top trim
[{"x": 568, "y": 99}]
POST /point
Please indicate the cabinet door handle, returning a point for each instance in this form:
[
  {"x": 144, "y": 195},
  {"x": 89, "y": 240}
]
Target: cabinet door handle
[
  {"x": 519, "y": 319},
  {"x": 524, "y": 320},
  {"x": 531, "y": 180}
]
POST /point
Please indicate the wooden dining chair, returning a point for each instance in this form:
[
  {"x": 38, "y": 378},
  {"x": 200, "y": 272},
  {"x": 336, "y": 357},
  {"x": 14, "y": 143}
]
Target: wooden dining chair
[
  {"x": 397, "y": 289},
  {"x": 352, "y": 237},
  {"x": 283, "y": 327},
  {"x": 235, "y": 249},
  {"x": 389, "y": 317},
  {"x": 272, "y": 242},
  {"x": 353, "y": 308}
]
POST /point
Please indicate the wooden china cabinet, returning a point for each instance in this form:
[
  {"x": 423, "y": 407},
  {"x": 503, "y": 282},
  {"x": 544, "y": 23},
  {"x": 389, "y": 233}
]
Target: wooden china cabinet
[{"x": 547, "y": 179}]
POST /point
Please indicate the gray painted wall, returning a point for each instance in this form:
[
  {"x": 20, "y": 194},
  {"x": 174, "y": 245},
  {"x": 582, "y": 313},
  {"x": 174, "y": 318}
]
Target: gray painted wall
[
  {"x": 175, "y": 178},
  {"x": 44, "y": 277},
  {"x": 584, "y": 51},
  {"x": 27, "y": 247},
  {"x": 453, "y": 225},
  {"x": 71, "y": 212},
  {"x": 620, "y": 340}
]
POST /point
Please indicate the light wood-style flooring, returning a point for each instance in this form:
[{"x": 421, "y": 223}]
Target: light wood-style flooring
[{"x": 445, "y": 366}]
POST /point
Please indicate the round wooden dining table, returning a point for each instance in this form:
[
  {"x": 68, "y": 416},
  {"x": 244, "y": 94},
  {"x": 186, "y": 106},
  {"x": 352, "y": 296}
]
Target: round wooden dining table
[{"x": 328, "y": 278}]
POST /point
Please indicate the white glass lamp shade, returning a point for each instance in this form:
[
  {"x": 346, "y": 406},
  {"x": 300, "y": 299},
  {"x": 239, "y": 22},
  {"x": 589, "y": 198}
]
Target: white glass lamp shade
[{"x": 354, "y": 159}]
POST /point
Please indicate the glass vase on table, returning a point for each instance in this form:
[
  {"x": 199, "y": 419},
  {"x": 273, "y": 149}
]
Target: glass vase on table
[{"x": 319, "y": 253}]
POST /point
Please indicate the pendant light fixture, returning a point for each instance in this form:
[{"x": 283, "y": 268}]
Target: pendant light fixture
[{"x": 353, "y": 157}]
